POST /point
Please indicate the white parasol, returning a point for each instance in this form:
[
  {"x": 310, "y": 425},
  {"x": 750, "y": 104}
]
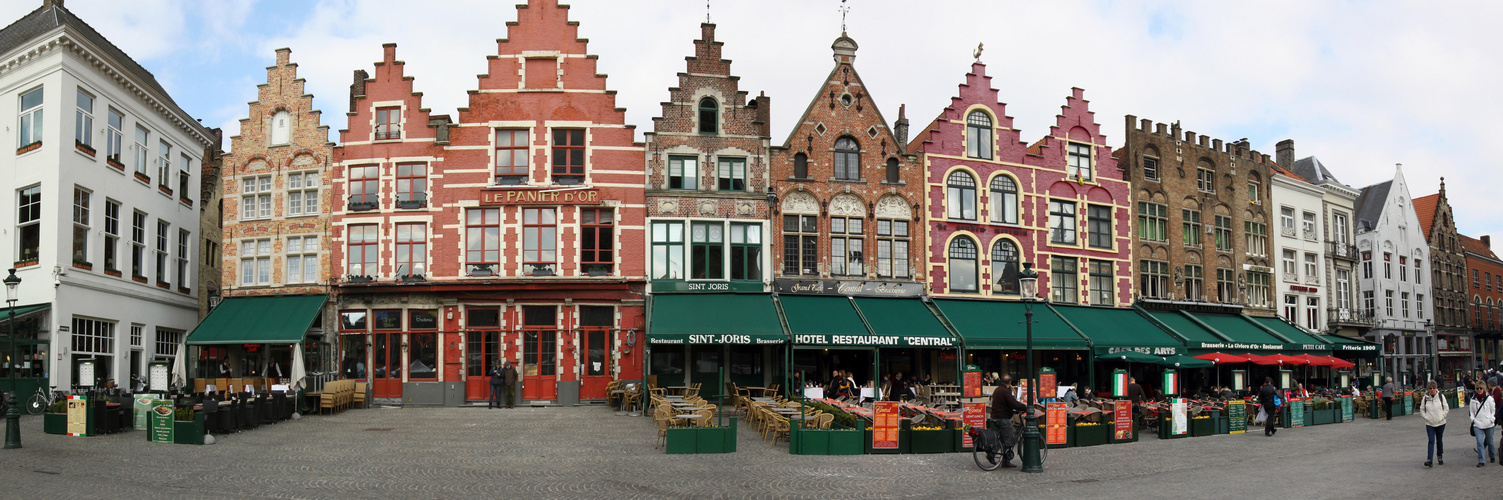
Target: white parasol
[
  {"x": 180, "y": 366},
  {"x": 298, "y": 372}
]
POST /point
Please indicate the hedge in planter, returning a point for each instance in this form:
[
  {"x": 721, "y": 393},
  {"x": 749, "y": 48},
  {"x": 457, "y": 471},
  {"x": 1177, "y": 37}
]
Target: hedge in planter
[
  {"x": 1092, "y": 433},
  {"x": 931, "y": 440}
]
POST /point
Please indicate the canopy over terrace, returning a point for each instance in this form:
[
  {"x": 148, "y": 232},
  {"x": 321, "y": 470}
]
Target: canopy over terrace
[
  {"x": 1353, "y": 347},
  {"x": 1115, "y": 329},
  {"x": 826, "y": 321},
  {"x": 1300, "y": 340},
  {"x": 1242, "y": 334},
  {"x": 995, "y": 324},
  {"x": 721, "y": 318},
  {"x": 272, "y": 319}
]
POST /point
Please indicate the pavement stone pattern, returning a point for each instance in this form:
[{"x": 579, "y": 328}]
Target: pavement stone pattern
[{"x": 590, "y": 452}]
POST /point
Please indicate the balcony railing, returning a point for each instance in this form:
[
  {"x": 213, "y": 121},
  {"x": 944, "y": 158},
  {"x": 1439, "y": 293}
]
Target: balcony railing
[
  {"x": 1311, "y": 236},
  {"x": 1341, "y": 251},
  {"x": 1287, "y": 232},
  {"x": 1355, "y": 317},
  {"x": 1291, "y": 277}
]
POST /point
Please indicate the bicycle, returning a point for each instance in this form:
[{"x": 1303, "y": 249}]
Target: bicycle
[
  {"x": 41, "y": 400},
  {"x": 988, "y": 449}
]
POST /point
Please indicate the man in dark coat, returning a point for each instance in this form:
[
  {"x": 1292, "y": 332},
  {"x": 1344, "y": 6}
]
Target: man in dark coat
[
  {"x": 1004, "y": 406},
  {"x": 1134, "y": 392},
  {"x": 498, "y": 380},
  {"x": 509, "y": 384},
  {"x": 1266, "y": 397}
]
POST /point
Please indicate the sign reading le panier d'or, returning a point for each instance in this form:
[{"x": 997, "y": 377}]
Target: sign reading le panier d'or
[{"x": 565, "y": 196}]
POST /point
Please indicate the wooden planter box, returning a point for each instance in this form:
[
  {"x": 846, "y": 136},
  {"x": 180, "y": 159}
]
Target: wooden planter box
[
  {"x": 935, "y": 441},
  {"x": 1111, "y": 434},
  {"x": 1201, "y": 427},
  {"x": 189, "y": 432},
  {"x": 55, "y": 423},
  {"x": 694, "y": 440},
  {"x": 825, "y": 442},
  {"x": 1092, "y": 435}
]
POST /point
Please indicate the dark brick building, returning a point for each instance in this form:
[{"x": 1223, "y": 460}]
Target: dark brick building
[
  {"x": 1486, "y": 303},
  {"x": 1452, "y": 282}
]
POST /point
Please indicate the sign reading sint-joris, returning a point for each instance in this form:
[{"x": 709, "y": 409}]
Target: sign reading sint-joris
[{"x": 565, "y": 196}]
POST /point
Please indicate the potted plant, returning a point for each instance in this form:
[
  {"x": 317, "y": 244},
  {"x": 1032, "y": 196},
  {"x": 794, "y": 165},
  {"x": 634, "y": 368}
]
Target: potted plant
[
  {"x": 415, "y": 202},
  {"x": 358, "y": 279},
  {"x": 1094, "y": 433},
  {"x": 83, "y": 147},
  {"x": 114, "y": 161},
  {"x": 359, "y": 204},
  {"x": 414, "y": 278},
  {"x": 481, "y": 270},
  {"x": 842, "y": 438},
  {"x": 694, "y": 439},
  {"x": 1201, "y": 425},
  {"x": 188, "y": 426},
  {"x": 29, "y": 147},
  {"x": 931, "y": 438}
]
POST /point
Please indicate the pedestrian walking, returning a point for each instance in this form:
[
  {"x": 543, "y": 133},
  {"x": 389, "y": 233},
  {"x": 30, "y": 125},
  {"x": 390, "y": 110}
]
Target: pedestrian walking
[
  {"x": 1497, "y": 395},
  {"x": 1268, "y": 404},
  {"x": 497, "y": 380},
  {"x": 1433, "y": 409},
  {"x": 509, "y": 384},
  {"x": 1389, "y": 389},
  {"x": 1483, "y": 412}
]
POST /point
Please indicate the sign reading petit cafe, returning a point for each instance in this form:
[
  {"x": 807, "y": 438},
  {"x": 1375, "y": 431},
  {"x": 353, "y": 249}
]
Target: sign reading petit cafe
[{"x": 540, "y": 196}]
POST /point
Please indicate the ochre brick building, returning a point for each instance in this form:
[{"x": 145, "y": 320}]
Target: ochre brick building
[
  {"x": 1452, "y": 284},
  {"x": 515, "y": 232}
]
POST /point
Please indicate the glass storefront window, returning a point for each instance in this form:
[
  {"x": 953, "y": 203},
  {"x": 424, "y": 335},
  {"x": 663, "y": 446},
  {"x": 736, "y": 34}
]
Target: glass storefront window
[
  {"x": 667, "y": 362},
  {"x": 352, "y": 320},
  {"x": 422, "y": 350}
]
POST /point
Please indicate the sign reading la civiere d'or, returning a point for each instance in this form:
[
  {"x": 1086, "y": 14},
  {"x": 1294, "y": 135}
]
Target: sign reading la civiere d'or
[{"x": 565, "y": 196}]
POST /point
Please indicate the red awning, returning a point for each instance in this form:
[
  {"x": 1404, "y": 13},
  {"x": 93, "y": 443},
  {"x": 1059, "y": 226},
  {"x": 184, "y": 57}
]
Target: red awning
[{"x": 1221, "y": 357}]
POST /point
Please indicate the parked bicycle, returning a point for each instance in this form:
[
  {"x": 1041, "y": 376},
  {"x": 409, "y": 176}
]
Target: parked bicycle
[
  {"x": 42, "y": 399},
  {"x": 990, "y": 452}
]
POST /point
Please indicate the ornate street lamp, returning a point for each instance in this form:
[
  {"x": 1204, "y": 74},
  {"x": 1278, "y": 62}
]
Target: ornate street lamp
[
  {"x": 1028, "y": 284},
  {"x": 12, "y": 409}
]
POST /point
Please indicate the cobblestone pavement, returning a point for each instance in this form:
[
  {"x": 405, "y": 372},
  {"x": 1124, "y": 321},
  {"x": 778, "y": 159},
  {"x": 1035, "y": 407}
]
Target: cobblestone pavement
[{"x": 589, "y": 452}]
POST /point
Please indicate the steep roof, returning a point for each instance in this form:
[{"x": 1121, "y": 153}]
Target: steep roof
[
  {"x": 1476, "y": 246},
  {"x": 1312, "y": 170},
  {"x": 1280, "y": 170},
  {"x": 1370, "y": 204},
  {"x": 1424, "y": 208}
]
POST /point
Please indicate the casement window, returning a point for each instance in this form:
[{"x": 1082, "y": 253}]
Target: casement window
[
  {"x": 847, "y": 256},
  {"x": 302, "y": 259},
  {"x": 83, "y": 121},
  {"x": 1194, "y": 282},
  {"x": 1310, "y": 267},
  {"x": 1004, "y": 200},
  {"x": 893, "y": 172},
  {"x": 167, "y": 343},
  {"x": 364, "y": 250},
  {"x": 800, "y": 247},
  {"x": 1388, "y": 303},
  {"x": 1367, "y": 265},
  {"x": 31, "y": 119},
  {"x": 1099, "y": 226},
  {"x": 1291, "y": 308},
  {"x": 28, "y": 223},
  {"x": 411, "y": 249},
  {"x": 732, "y": 174},
  {"x": 255, "y": 262},
  {"x": 1153, "y": 221},
  {"x": 184, "y": 175},
  {"x": 1153, "y": 279},
  {"x": 1343, "y": 289},
  {"x": 162, "y": 237},
  {"x": 482, "y": 241},
  {"x": 1388, "y": 267},
  {"x": 365, "y": 191},
  {"x": 111, "y": 235},
  {"x": 892, "y": 248},
  {"x": 302, "y": 193},
  {"x": 1252, "y": 192},
  {"x": 1256, "y": 236},
  {"x": 1226, "y": 285},
  {"x": 1404, "y": 269},
  {"x": 1404, "y": 304},
  {"x": 92, "y": 336},
  {"x": 1064, "y": 279},
  {"x": 597, "y": 241},
  {"x": 667, "y": 250},
  {"x": 683, "y": 172},
  {"x": 142, "y": 155},
  {"x": 183, "y": 237},
  {"x": 539, "y": 240},
  {"x": 1286, "y": 221},
  {"x": 1103, "y": 277},
  {"x": 1224, "y": 233},
  {"x": 1291, "y": 273},
  {"x": 1258, "y": 292},
  {"x": 1419, "y": 306},
  {"x": 800, "y": 166},
  {"x": 388, "y": 123},
  {"x": 138, "y": 245},
  {"x": 964, "y": 272},
  {"x": 81, "y": 225},
  {"x": 568, "y": 156},
  {"x": 961, "y": 196},
  {"x": 1190, "y": 226},
  {"x": 164, "y": 165},
  {"x": 1367, "y": 303},
  {"x": 1205, "y": 180},
  {"x": 746, "y": 251},
  {"x": 255, "y": 197},
  {"x": 1307, "y": 225},
  {"x": 706, "y": 250},
  {"x": 1004, "y": 268},
  {"x": 412, "y": 185},
  {"x": 1475, "y": 279},
  {"x": 113, "y": 135},
  {"x": 847, "y": 159},
  {"x": 1150, "y": 168},
  {"x": 1080, "y": 161},
  {"x": 512, "y": 154},
  {"x": 709, "y": 116},
  {"x": 1062, "y": 224},
  {"x": 281, "y": 128},
  {"x": 978, "y": 135}
]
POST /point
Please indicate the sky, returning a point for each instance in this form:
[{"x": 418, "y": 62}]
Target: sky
[{"x": 1362, "y": 85}]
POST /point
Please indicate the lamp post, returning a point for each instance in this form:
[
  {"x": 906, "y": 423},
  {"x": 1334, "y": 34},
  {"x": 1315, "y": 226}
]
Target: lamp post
[
  {"x": 1434, "y": 356},
  {"x": 1028, "y": 282},
  {"x": 12, "y": 409}
]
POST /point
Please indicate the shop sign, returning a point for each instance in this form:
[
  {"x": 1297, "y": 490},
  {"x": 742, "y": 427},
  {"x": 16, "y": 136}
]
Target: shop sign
[
  {"x": 142, "y": 409},
  {"x": 1314, "y": 347},
  {"x": 974, "y": 415},
  {"x": 1236, "y": 411},
  {"x": 983, "y": 229},
  {"x": 1122, "y": 420},
  {"x": 1240, "y": 345},
  {"x": 566, "y": 196},
  {"x": 709, "y": 338},
  {"x": 1359, "y": 348},
  {"x": 848, "y": 288},
  {"x": 1156, "y": 351},
  {"x": 1296, "y": 412},
  {"x": 973, "y": 384},
  {"x": 1056, "y": 423},
  {"x": 885, "y": 425},
  {"x": 78, "y": 416},
  {"x": 882, "y": 340},
  {"x": 161, "y": 422},
  {"x": 706, "y": 286},
  {"x": 1346, "y": 408}
]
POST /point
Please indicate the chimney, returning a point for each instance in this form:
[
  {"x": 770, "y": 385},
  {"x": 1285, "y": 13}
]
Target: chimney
[
  {"x": 900, "y": 128},
  {"x": 357, "y": 89},
  {"x": 1487, "y": 241},
  {"x": 47, "y": 4},
  {"x": 1285, "y": 153},
  {"x": 764, "y": 114}
]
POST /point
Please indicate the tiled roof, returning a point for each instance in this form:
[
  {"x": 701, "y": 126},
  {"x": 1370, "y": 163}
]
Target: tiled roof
[
  {"x": 1424, "y": 208},
  {"x": 1370, "y": 205},
  {"x": 1474, "y": 245},
  {"x": 917, "y": 144},
  {"x": 1280, "y": 170}
]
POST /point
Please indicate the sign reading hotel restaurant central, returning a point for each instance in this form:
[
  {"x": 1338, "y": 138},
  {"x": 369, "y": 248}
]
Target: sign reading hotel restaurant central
[
  {"x": 564, "y": 196},
  {"x": 848, "y": 288},
  {"x": 821, "y": 339}
]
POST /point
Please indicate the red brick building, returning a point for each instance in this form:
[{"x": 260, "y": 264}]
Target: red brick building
[
  {"x": 994, "y": 202},
  {"x": 1486, "y": 304},
  {"x": 515, "y": 232}
]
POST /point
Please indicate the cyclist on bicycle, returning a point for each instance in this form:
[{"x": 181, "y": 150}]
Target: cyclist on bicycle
[{"x": 1004, "y": 406}]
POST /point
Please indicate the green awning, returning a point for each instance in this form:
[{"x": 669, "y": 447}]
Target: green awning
[
  {"x": 714, "y": 318},
  {"x": 908, "y": 319},
  {"x": 1194, "y": 334},
  {"x": 1115, "y": 329},
  {"x": 1305, "y": 341},
  {"x": 272, "y": 319},
  {"x": 1350, "y": 345},
  {"x": 22, "y": 312},
  {"x": 996, "y": 324},
  {"x": 1244, "y": 336},
  {"x": 828, "y": 321}
]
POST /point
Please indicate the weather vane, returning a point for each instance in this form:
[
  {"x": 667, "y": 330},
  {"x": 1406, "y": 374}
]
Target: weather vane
[
  {"x": 843, "y": 10},
  {"x": 979, "y": 46},
  {"x": 707, "y": 11}
]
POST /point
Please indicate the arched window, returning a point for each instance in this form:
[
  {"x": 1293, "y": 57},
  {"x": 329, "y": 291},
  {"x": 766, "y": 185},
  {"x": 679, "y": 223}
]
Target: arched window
[
  {"x": 801, "y": 166},
  {"x": 847, "y": 159},
  {"x": 281, "y": 128},
  {"x": 709, "y": 116},
  {"x": 962, "y": 196},
  {"x": 963, "y": 265},
  {"x": 1004, "y": 268},
  {"x": 892, "y": 170},
  {"x": 978, "y": 135},
  {"x": 1004, "y": 200}
]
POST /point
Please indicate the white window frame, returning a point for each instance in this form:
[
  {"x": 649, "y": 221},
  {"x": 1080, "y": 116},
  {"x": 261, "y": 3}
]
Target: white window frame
[
  {"x": 302, "y": 258},
  {"x": 30, "y": 119},
  {"x": 255, "y": 197},
  {"x": 302, "y": 193},
  {"x": 255, "y": 262},
  {"x": 83, "y": 120}
]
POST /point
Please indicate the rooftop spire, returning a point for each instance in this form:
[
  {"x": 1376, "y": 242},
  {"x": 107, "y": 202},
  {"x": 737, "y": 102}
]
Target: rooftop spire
[{"x": 844, "y": 9}]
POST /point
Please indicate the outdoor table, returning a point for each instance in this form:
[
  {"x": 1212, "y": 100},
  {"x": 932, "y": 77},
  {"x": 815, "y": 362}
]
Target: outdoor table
[
  {"x": 692, "y": 408},
  {"x": 689, "y": 416}
]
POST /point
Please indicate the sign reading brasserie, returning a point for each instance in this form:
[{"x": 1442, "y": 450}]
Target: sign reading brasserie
[
  {"x": 540, "y": 197},
  {"x": 848, "y": 288}
]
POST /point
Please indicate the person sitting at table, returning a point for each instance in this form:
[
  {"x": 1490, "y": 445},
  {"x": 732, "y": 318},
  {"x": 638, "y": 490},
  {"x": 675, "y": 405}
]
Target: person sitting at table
[
  {"x": 1086, "y": 395},
  {"x": 1226, "y": 393},
  {"x": 843, "y": 387},
  {"x": 830, "y": 386},
  {"x": 1069, "y": 397},
  {"x": 926, "y": 380}
]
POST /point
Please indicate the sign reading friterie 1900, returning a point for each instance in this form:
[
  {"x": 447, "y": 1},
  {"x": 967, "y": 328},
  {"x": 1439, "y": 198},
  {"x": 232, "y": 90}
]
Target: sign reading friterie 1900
[{"x": 565, "y": 196}]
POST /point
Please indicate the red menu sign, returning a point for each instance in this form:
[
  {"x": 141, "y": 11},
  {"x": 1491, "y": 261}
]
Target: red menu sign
[
  {"x": 973, "y": 385},
  {"x": 885, "y": 425},
  {"x": 1122, "y": 417},
  {"x": 1057, "y": 423},
  {"x": 1046, "y": 385},
  {"x": 974, "y": 415}
]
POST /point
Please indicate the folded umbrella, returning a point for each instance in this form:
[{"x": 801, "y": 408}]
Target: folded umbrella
[
  {"x": 1132, "y": 357},
  {"x": 1221, "y": 357},
  {"x": 1187, "y": 362}
]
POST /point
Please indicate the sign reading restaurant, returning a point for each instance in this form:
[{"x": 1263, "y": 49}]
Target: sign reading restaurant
[
  {"x": 879, "y": 340},
  {"x": 848, "y": 288},
  {"x": 565, "y": 196}
]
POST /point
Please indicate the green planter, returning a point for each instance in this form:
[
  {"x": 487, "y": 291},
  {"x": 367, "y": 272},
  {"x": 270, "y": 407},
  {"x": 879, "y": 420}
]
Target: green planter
[
  {"x": 1111, "y": 434},
  {"x": 189, "y": 432},
  {"x": 1222, "y": 423},
  {"x": 904, "y": 440},
  {"x": 1200, "y": 427},
  {"x": 1166, "y": 427},
  {"x": 826, "y": 442},
  {"x": 1069, "y": 436},
  {"x": 55, "y": 423},
  {"x": 935, "y": 441},
  {"x": 1092, "y": 435},
  {"x": 695, "y": 440}
]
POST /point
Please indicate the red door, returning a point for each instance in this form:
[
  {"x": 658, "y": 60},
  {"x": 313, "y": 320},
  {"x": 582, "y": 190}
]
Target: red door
[
  {"x": 482, "y": 351},
  {"x": 597, "y": 363},
  {"x": 386, "y": 363},
  {"x": 539, "y": 366}
]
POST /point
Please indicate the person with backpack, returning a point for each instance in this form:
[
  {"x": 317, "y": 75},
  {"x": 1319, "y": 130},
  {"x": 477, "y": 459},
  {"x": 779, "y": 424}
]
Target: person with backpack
[
  {"x": 1483, "y": 412},
  {"x": 1433, "y": 408},
  {"x": 1268, "y": 401}
]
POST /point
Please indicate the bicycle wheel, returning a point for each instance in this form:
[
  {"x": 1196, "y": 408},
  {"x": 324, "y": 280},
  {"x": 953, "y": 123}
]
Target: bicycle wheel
[
  {"x": 1043, "y": 450},
  {"x": 986, "y": 460},
  {"x": 36, "y": 404}
]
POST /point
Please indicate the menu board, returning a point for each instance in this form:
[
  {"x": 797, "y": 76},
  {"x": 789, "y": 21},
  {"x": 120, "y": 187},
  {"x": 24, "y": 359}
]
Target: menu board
[
  {"x": 973, "y": 385},
  {"x": 1181, "y": 422},
  {"x": 885, "y": 425},
  {"x": 161, "y": 422},
  {"x": 1237, "y": 412},
  {"x": 1057, "y": 423},
  {"x": 158, "y": 375},
  {"x": 1296, "y": 412},
  {"x": 1122, "y": 420},
  {"x": 78, "y": 416},
  {"x": 972, "y": 414},
  {"x": 1408, "y": 403},
  {"x": 1046, "y": 383},
  {"x": 1346, "y": 408},
  {"x": 141, "y": 408}
]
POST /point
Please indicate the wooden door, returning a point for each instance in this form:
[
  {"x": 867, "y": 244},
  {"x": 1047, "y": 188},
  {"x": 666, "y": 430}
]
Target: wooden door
[
  {"x": 597, "y": 363},
  {"x": 539, "y": 366},
  {"x": 482, "y": 352},
  {"x": 386, "y": 365}
]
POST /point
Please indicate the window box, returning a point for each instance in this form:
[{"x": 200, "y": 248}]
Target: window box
[
  {"x": 825, "y": 442},
  {"x": 414, "y": 278},
  {"x": 482, "y": 271},
  {"x": 1092, "y": 435},
  {"x": 358, "y": 279},
  {"x": 184, "y": 200},
  {"x": 113, "y": 272},
  {"x": 362, "y": 206},
  {"x": 696, "y": 440},
  {"x": 138, "y": 279},
  {"x": 541, "y": 271},
  {"x": 83, "y": 147},
  {"x": 142, "y": 177},
  {"x": 165, "y": 189},
  {"x": 511, "y": 180},
  {"x": 29, "y": 148},
  {"x": 411, "y": 204},
  {"x": 568, "y": 180},
  {"x": 164, "y": 285},
  {"x": 114, "y": 161},
  {"x": 184, "y": 291},
  {"x": 83, "y": 265},
  {"x": 26, "y": 262}
]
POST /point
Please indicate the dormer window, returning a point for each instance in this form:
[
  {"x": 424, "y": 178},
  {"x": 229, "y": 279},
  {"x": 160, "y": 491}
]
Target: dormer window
[
  {"x": 388, "y": 123},
  {"x": 978, "y": 135},
  {"x": 281, "y": 128},
  {"x": 568, "y": 156},
  {"x": 709, "y": 116},
  {"x": 1080, "y": 161}
]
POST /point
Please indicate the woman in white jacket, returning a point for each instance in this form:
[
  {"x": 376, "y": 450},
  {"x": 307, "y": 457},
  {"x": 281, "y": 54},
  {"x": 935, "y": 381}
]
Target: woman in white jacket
[
  {"x": 1482, "y": 409},
  {"x": 1433, "y": 408}
]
